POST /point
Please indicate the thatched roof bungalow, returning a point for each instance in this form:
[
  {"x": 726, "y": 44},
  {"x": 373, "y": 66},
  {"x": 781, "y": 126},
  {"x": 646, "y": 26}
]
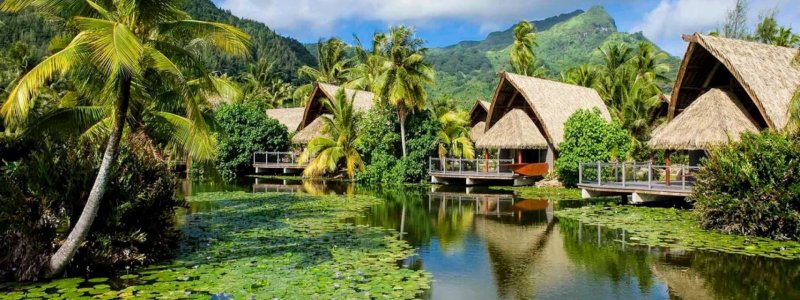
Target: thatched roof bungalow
[
  {"x": 726, "y": 87},
  {"x": 527, "y": 117},
  {"x": 477, "y": 118},
  {"x": 289, "y": 117},
  {"x": 310, "y": 126}
]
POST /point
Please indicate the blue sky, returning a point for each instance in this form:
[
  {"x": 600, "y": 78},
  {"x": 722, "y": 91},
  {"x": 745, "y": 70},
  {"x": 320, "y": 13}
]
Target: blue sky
[{"x": 445, "y": 22}]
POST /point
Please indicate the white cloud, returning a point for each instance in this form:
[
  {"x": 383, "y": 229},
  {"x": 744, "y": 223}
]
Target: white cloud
[
  {"x": 322, "y": 17},
  {"x": 665, "y": 23}
]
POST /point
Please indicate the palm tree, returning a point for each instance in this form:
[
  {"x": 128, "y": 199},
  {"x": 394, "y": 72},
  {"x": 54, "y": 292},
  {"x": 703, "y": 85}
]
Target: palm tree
[
  {"x": 337, "y": 143},
  {"x": 583, "y": 75},
  {"x": 368, "y": 73},
  {"x": 650, "y": 62},
  {"x": 786, "y": 38},
  {"x": 333, "y": 66},
  {"x": 262, "y": 84},
  {"x": 406, "y": 76},
  {"x": 122, "y": 45},
  {"x": 523, "y": 61},
  {"x": 453, "y": 135}
]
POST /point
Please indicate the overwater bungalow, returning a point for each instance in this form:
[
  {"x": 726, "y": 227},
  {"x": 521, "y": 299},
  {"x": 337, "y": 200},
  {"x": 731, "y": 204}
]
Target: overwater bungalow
[
  {"x": 305, "y": 124},
  {"x": 311, "y": 123},
  {"x": 477, "y": 119},
  {"x": 523, "y": 129},
  {"x": 725, "y": 87}
]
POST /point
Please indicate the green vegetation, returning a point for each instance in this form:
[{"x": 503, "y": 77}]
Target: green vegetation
[
  {"x": 453, "y": 137},
  {"x": 122, "y": 65},
  {"x": 676, "y": 229},
  {"x": 589, "y": 138},
  {"x": 243, "y": 130},
  {"x": 523, "y": 60},
  {"x": 44, "y": 187},
  {"x": 337, "y": 143},
  {"x": 308, "y": 253},
  {"x": 751, "y": 187},
  {"x": 381, "y": 151},
  {"x": 547, "y": 193}
]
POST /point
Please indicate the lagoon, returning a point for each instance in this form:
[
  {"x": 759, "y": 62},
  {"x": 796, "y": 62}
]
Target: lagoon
[{"x": 484, "y": 243}]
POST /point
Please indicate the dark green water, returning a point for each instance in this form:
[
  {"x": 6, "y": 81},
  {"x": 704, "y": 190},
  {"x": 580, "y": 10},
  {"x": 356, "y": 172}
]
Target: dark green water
[{"x": 486, "y": 244}]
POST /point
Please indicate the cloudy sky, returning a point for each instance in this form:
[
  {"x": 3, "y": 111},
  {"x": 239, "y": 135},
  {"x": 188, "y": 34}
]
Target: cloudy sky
[{"x": 445, "y": 22}]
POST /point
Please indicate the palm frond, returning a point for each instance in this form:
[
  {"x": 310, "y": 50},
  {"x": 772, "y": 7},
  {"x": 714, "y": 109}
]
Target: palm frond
[{"x": 225, "y": 37}]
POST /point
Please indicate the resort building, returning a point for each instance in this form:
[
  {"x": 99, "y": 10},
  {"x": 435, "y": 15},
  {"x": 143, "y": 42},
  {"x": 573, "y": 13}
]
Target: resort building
[
  {"x": 311, "y": 124},
  {"x": 477, "y": 119},
  {"x": 523, "y": 128},
  {"x": 289, "y": 117},
  {"x": 525, "y": 122},
  {"x": 304, "y": 123},
  {"x": 725, "y": 87}
]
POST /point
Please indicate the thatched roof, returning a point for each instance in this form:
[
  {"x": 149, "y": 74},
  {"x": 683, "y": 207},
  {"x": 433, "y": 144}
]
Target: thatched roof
[
  {"x": 477, "y": 131},
  {"x": 362, "y": 102},
  {"x": 289, "y": 117},
  {"x": 548, "y": 103},
  {"x": 515, "y": 130},
  {"x": 715, "y": 117},
  {"x": 762, "y": 76},
  {"x": 479, "y": 111},
  {"x": 305, "y": 135}
]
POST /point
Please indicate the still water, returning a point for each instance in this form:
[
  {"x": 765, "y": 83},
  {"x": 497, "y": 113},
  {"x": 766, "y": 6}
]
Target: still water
[{"x": 489, "y": 244}]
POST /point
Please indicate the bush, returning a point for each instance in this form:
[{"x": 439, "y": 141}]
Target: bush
[
  {"x": 752, "y": 187},
  {"x": 243, "y": 130},
  {"x": 589, "y": 138},
  {"x": 44, "y": 191},
  {"x": 382, "y": 150}
]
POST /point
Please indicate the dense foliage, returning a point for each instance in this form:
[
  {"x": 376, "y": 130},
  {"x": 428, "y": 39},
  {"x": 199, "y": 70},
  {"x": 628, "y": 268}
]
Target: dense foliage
[
  {"x": 752, "y": 187},
  {"x": 243, "y": 130},
  {"x": 44, "y": 191},
  {"x": 336, "y": 146},
  {"x": 381, "y": 150},
  {"x": 589, "y": 138}
]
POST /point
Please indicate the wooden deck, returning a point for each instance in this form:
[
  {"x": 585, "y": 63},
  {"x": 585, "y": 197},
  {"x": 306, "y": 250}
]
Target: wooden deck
[
  {"x": 654, "y": 188},
  {"x": 645, "y": 182}
]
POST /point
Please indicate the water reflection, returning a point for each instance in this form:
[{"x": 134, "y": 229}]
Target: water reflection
[{"x": 485, "y": 244}]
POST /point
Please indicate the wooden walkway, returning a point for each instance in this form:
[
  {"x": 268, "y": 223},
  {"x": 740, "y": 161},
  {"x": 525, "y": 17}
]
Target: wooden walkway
[{"x": 646, "y": 182}]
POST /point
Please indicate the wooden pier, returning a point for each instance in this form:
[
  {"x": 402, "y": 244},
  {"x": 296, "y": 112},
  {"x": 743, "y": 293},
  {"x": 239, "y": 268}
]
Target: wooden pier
[
  {"x": 645, "y": 182},
  {"x": 474, "y": 171},
  {"x": 284, "y": 161}
]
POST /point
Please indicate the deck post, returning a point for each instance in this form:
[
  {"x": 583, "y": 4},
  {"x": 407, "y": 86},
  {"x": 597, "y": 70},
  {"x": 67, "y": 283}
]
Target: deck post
[
  {"x": 599, "y": 182},
  {"x": 580, "y": 172},
  {"x": 623, "y": 174},
  {"x": 460, "y": 165},
  {"x": 683, "y": 178},
  {"x": 650, "y": 175}
]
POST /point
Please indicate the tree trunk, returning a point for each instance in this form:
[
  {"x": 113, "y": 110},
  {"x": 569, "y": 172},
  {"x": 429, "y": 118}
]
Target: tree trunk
[
  {"x": 71, "y": 244},
  {"x": 402, "y": 113}
]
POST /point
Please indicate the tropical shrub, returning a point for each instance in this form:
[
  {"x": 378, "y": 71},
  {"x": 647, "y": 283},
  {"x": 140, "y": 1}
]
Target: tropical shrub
[
  {"x": 382, "y": 151},
  {"x": 44, "y": 191},
  {"x": 589, "y": 138},
  {"x": 245, "y": 129},
  {"x": 752, "y": 187}
]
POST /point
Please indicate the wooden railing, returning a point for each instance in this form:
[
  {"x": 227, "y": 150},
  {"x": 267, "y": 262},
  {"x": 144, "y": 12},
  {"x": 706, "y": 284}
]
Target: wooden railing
[
  {"x": 635, "y": 174},
  {"x": 275, "y": 158},
  {"x": 463, "y": 166}
]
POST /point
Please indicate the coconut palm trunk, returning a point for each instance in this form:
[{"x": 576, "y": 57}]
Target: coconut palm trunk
[
  {"x": 78, "y": 234},
  {"x": 402, "y": 114}
]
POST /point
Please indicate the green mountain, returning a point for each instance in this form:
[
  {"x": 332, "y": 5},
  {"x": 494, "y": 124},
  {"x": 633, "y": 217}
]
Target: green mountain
[
  {"x": 287, "y": 53},
  {"x": 467, "y": 70}
]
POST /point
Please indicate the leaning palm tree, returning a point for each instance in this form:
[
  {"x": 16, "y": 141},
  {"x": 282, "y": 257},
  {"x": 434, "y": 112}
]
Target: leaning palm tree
[
  {"x": 122, "y": 45},
  {"x": 337, "y": 143},
  {"x": 333, "y": 67},
  {"x": 406, "y": 76}
]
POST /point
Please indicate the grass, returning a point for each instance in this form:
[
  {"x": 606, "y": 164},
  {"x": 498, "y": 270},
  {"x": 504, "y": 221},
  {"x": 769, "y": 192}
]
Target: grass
[
  {"x": 264, "y": 246},
  {"x": 676, "y": 228}
]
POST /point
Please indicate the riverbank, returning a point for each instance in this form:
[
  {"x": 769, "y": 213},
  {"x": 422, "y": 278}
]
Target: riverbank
[
  {"x": 677, "y": 229},
  {"x": 264, "y": 246}
]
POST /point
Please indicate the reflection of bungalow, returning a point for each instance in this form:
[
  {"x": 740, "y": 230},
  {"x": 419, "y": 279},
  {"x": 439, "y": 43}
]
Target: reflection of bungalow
[
  {"x": 477, "y": 119},
  {"x": 726, "y": 87},
  {"x": 311, "y": 124},
  {"x": 289, "y": 117},
  {"x": 526, "y": 119}
]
